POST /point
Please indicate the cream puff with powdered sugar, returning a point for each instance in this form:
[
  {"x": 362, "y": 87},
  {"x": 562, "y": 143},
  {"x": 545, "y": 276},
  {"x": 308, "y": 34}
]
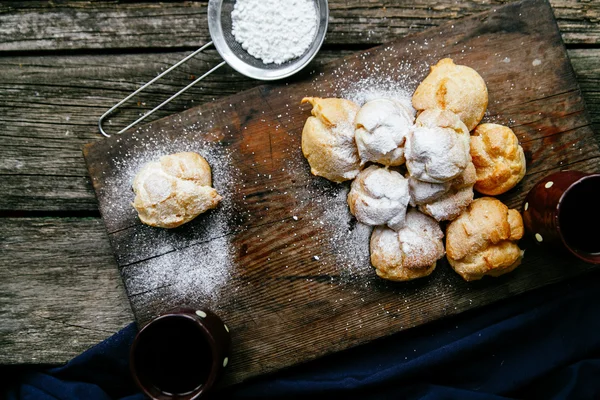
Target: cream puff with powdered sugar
[
  {"x": 444, "y": 201},
  {"x": 328, "y": 139},
  {"x": 410, "y": 253},
  {"x": 455, "y": 88},
  {"x": 174, "y": 190},
  {"x": 379, "y": 196},
  {"x": 381, "y": 127},
  {"x": 437, "y": 149}
]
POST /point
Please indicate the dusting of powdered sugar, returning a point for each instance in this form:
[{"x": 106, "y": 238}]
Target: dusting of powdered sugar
[
  {"x": 274, "y": 31},
  {"x": 345, "y": 237},
  {"x": 194, "y": 273},
  {"x": 386, "y": 76},
  {"x": 341, "y": 243},
  {"x": 189, "y": 263},
  {"x": 380, "y": 87}
]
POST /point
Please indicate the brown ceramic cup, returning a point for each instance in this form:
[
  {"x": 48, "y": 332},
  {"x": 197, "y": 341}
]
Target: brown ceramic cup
[
  {"x": 180, "y": 354},
  {"x": 563, "y": 211}
]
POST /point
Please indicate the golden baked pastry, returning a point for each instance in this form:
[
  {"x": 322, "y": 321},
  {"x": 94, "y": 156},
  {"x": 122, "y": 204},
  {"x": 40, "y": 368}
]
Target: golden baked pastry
[
  {"x": 174, "y": 190},
  {"x": 410, "y": 253},
  {"x": 381, "y": 127},
  {"x": 437, "y": 149},
  {"x": 483, "y": 240},
  {"x": 457, "y": 88},
  {"x": 379, "y": 196},
  {"x": 328, "y": 139},
  {"x": 498, "y": 158},
  {"x": 444, "y": 201}
]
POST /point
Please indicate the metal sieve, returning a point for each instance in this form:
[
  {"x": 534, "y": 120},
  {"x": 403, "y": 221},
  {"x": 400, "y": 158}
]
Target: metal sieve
[{"x": 219, "y": 26}]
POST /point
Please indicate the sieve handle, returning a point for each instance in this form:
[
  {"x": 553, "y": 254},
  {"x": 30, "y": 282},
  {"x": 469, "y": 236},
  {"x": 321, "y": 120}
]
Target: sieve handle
[{"x": 146, "y": 115}]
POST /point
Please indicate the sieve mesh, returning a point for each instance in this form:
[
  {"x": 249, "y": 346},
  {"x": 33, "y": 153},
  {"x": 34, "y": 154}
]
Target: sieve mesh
[
  {"x": 232, "y": 52},
  {"x": 236, "y": 47}
]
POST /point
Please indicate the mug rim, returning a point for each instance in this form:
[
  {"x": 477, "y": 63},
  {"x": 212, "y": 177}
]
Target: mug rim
[
  {"x": 189, "y": 315},
  {"x": 585, "y": 256}
]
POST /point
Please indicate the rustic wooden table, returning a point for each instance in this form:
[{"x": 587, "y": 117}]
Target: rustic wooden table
[{"x": 64, "y": 63}]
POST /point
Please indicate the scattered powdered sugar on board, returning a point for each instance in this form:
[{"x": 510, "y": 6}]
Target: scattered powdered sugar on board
[
  {"x": 380, "y": 87},
  {"x": 335, "y": 231},
  {"x": 350, "y": 239},
  {"x": 343, "y": 235},
  {"x": 387, "y": 75},
  {"x": 197, "y": 271},
  {"x": 194, "y": 259}
]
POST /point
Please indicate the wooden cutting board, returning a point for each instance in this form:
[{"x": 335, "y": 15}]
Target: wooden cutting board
[{"x": 290, "y": 272}]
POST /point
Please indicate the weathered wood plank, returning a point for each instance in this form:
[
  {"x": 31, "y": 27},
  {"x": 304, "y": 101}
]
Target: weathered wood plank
[
  {"x": 50, "y": 106},
  {"x": 285, "y": 281},
  {"x": 587, "y": 68},
  {"x": 61, "y": 292},
  {"x": 41, "y": 25},
  {"x": 42, "y": 192}
]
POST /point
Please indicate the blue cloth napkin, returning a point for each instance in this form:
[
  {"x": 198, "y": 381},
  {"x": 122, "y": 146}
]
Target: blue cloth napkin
[{"x": 544, "y": 345}]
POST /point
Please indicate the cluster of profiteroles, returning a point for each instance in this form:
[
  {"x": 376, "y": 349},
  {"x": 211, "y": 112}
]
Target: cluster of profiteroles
[{"x": 416, "y": 167}]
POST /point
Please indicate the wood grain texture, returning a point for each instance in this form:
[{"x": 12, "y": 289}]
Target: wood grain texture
[
  {"x": 60, "y": 291},
  {"x": 50, "y": 106},
  {"x": 280, "y": 296},
  {"x": 57, "y": 99},
  {"x": 587, "y": 70},
  {"x": 40, "y": 25}
]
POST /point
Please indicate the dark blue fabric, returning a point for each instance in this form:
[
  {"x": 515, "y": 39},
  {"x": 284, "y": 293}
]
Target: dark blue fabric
[{"x": 543, "y": 345}]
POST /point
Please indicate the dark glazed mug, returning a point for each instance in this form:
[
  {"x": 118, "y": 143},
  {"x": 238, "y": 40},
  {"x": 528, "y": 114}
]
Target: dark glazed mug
[
  {"x": 563, "y": 211},
  {"x": 180, "y": 354}
]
